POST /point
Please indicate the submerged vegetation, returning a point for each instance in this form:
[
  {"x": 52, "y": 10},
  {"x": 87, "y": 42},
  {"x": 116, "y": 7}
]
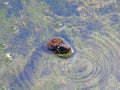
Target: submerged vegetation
[{"x": 92, "y": 27}]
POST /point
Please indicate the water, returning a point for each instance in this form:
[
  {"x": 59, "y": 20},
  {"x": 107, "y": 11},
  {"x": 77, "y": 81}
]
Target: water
[{"x": 90, "y": 26}]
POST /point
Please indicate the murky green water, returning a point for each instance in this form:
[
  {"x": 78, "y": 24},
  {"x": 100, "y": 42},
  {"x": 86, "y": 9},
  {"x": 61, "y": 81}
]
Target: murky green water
[{"x": 92, "y": 28}]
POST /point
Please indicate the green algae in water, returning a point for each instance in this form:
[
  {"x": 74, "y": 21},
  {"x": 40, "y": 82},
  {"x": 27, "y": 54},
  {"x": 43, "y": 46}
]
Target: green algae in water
[
  {"x": 38, "y": 18},
  {"x": 5, "y": 27}
]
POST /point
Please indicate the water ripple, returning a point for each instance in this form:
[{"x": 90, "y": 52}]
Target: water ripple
[
  {"x": 88, "y": 68},
  {"x": 95, "y": 66}
]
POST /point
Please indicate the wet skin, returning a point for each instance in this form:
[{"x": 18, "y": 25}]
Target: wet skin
[{"x": 59, "y": 47}]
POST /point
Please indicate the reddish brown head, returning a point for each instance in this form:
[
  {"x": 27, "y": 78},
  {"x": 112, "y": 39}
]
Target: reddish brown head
[
  {"x": 59, "y": 47},
  {"x": 55, "y": 42}
]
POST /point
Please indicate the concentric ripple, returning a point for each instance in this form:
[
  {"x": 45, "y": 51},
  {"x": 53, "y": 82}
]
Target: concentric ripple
[
  {"x": 87, "y": 68},
  {"x": 93, "y": 66}
]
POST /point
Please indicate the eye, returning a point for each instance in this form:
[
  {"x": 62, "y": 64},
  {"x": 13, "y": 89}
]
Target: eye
[{"x": 58, "y": 47}]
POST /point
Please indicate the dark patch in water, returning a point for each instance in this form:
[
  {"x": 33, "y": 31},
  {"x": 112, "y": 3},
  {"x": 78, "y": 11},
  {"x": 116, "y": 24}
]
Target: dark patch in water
[{"x": 62, "y": 7}]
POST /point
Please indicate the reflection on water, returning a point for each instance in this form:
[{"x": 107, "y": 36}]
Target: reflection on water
[{"x": 91, "y": 28}]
